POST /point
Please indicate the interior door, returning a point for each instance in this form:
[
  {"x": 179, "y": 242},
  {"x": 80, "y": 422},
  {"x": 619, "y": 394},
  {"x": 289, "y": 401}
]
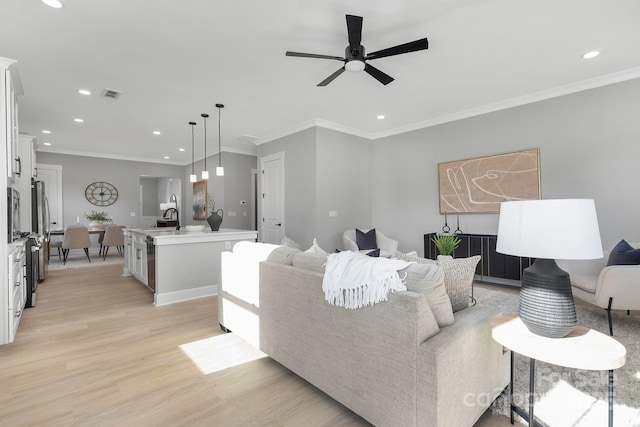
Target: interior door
[
  {"x": 273, "y": 226},
  {"x": 51, "y": 175}
]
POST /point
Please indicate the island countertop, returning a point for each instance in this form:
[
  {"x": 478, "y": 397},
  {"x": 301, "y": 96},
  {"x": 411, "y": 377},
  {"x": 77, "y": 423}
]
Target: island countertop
[{"x": 171, "y": 236}]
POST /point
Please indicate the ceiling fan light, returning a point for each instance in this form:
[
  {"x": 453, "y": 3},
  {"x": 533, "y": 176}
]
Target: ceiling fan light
[{"x": 354, "y": 65}]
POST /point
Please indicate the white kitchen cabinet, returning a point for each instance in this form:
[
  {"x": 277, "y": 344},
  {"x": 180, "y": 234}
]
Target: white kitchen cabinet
[
  {"x": 22, "y": 183},
  {"x": 10, "y": 88},
  {"x": 140, "y": 258},
  {"x": 14, "y": 295}
]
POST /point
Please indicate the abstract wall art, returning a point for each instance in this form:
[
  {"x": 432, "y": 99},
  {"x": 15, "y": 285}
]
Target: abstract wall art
[{"x": 479, "y": 185}]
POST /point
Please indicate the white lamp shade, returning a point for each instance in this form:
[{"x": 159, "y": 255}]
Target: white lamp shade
[
  {"x": 193, "y": 178},
  {"x": 219, "y": 171},
  {"x": 205, "y": 174},
  {"x": 550, "y": 229}
]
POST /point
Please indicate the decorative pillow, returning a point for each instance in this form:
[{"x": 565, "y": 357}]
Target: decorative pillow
[
  {"x": 310, "y": 261},
  {"x": 366, "y": 240},
  {"x": 374, "y": 253},
  {"x": 282, "y": 255},
  {"x": 624, "y": 254},
  {"x": 428, "y": 279},
  {"x": 289, "y": 243},
  {"x": 316, "y": 249},
  {"x": 413, "y": 257},
  {"x": 458, "y": 279}
]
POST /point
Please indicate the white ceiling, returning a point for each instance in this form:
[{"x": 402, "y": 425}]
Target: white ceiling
[{"x": 175, "y": 60}]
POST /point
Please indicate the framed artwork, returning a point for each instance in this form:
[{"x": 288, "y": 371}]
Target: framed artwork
[
  {"x": 479, "y": 185},
  {"x": 200, "y": 200}
]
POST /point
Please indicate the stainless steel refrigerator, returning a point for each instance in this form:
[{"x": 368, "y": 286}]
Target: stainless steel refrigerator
[{"x": 40, "y": 225}]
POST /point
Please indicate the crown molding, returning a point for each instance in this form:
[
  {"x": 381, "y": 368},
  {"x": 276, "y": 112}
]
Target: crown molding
[
  {"x": 109, "y": 156},
  {"x": 580, "y": 86}
]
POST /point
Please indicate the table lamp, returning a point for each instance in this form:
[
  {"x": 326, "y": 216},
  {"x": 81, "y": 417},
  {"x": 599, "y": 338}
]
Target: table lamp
[{"x": 548, "y": 230}]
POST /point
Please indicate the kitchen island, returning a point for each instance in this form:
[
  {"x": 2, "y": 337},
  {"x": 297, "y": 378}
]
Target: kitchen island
[{"x": 179, "y": 265}]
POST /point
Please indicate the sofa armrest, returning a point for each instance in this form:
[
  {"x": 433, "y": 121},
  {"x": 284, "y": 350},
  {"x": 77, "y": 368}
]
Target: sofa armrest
[
  {"x": 620, "y": 282},
  {"x": 462, "y": 369}
]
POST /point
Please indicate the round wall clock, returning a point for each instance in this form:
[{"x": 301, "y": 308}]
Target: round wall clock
[{"x": 101, "y": 193}]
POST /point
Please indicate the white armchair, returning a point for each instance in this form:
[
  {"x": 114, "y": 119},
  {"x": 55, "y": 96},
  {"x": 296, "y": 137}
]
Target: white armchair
[
  {"x": 614, "y": 287},
  {"x": 388, "y": 246}
]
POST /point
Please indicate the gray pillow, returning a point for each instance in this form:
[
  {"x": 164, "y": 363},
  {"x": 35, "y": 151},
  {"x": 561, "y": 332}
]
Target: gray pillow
[
  {"x": 413, "y": 257},
  {"x": 310, "y": 261},
  {"x": 428, "y": 279},
  {"x": 458, "y": 279},
  {"x": 282, "y": 255}
]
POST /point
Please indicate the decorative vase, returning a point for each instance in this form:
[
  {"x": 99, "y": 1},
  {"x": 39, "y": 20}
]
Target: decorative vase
[
  {"x": 215, "y": 219},
  {"x": 94, "y": 224}
]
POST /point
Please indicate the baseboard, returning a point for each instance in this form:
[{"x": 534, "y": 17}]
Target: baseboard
[{"x": 184, "y": 295}]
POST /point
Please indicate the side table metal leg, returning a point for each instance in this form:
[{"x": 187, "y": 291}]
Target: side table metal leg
[
  {"x": 611, "y": 398},
  {"x": 532, "y": 389},
  {"x": 511, "y": 391}
]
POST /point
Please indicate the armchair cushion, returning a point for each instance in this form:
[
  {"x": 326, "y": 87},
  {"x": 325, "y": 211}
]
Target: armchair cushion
[
  {"x": 388, "y": 246},
  {"x": 624, "y": 254},
  {"x": 366, "y": 240}
]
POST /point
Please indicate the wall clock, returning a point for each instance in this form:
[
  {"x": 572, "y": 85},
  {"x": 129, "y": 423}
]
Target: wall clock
[{"x": 101, "y": 193}]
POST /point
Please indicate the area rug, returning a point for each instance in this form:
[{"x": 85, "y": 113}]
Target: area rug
[
  {"x": 571, "y": 397},
  {"x": 79, "y": 260}
]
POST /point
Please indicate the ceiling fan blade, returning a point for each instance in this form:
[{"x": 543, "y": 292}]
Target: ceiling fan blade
[
  {"x": 354, "y": 29},
  {"x": 383, "y": 78},
  {"x": 313, "y": 55},
  {"x": 400, "y": 49},
  {"x": 331, "y": 77}
]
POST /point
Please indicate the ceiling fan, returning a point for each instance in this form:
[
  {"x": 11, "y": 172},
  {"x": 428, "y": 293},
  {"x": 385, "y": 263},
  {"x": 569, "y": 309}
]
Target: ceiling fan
[{"x": 355, "y": 57}]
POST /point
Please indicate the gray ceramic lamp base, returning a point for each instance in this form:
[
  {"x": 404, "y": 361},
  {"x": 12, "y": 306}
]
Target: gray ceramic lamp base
[{"x": 546, "y": 301}]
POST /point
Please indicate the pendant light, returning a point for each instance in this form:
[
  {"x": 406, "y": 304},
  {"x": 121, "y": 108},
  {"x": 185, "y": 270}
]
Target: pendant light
[
  {"x": 219, "y": 169},
  {"x": 192, "y": 177},
  {"x": 205, "y": 172}
]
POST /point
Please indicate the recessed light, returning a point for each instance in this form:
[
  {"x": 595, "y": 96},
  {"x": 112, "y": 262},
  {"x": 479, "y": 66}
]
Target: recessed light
[
  {"x": 78, "y": 120},
  {"x": 46, "y": 143},
  {"x": 53, "y": 3},
  {"x": 46, "y": 131},
  {"x": 380, "y": 117},
  {"x": 180, "y": 149},
  {"x": 156, "y": 132},
  {"x": 84, "y": 92},
  {"x": 167, "y": 157},
  {"x": 591, "y": 54}
]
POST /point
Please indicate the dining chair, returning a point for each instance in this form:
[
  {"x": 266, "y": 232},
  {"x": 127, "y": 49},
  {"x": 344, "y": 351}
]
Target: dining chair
[
  {"x": 75, "y": 237},
  {"x": 113, "y": 236}
]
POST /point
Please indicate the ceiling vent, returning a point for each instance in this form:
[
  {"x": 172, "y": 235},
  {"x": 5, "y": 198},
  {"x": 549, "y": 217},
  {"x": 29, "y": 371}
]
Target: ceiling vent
[{"x": 111, "y": 93}]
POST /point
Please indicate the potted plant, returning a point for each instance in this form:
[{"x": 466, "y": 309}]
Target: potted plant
[
  {"x": 96, "y": 219},
  {"x": 446, "y": 243}
]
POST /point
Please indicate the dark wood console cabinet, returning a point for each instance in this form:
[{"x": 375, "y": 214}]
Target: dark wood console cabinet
[{"x": 505, "y": 268}]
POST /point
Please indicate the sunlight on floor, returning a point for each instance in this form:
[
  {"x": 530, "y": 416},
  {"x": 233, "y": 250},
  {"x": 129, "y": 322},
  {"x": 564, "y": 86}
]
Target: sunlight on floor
[
  {"x": 220, "y": 352},
  {"x": 565, "y": 405}
]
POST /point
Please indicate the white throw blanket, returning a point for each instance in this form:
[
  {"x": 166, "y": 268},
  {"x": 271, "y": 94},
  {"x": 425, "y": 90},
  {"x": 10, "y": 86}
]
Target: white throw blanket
[{"x": 353, "y": 280}]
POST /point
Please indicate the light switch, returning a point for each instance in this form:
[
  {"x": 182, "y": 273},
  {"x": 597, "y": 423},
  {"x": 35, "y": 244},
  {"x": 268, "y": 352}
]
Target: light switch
[
  {"x": 132, "y": 214},
  {"x": 232, "y": 213}
]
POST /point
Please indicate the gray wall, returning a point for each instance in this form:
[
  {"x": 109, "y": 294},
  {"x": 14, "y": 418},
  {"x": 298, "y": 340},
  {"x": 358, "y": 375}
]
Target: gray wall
[
  {"x": 325, "y": 171},
  {"x": 589, "y": 148},
  {"x": 80, "y": 171}
]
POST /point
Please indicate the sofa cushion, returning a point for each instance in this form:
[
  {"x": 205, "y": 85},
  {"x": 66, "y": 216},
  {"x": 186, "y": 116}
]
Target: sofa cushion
[
  {"x": 366, "y": 240},
  {"x": 624, "y": 254},
  {"x": 413, "y": 257},
  {"x": 428, "y": 279},
  {"x": 286, "y": 241},
  {"x": 458, "y": 279},
  {"x": 310, "y": 261},
  {"x": 283, "y": 255}
]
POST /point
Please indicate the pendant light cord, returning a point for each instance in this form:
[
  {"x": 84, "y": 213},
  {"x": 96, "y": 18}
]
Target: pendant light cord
[
  {"x": 192, "y": 147},
  {"x": 219, "y": 140}
]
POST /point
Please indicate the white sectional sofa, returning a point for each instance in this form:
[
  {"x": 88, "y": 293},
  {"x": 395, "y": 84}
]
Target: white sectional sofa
[{"x": 390, "y": 362}]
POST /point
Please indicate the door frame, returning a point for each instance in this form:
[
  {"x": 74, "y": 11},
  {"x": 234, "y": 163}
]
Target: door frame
[{"x": 58, "y": 173}]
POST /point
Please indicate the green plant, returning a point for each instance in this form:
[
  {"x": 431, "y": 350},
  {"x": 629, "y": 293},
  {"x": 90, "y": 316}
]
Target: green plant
[
  {"x": 97, "y": 216},
  {"x": 446, "y": 243}
]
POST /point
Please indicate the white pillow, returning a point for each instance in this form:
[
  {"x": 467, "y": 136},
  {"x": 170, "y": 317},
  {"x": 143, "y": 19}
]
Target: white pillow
[
  {"x": 316, "y": 249},
  {"x": 290, "y": 243},
  {"x": 428, "y": 279},
  {"x": 458, "y": 279}
]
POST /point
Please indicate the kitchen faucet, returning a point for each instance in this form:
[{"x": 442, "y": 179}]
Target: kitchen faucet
[{"x": 177, "y": 216}]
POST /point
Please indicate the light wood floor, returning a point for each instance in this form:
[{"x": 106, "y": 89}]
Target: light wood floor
[{"x": 96, "y": 352}]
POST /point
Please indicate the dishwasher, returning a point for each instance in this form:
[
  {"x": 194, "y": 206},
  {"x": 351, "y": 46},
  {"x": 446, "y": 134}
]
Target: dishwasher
[{"x": 151, "y": 264}]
